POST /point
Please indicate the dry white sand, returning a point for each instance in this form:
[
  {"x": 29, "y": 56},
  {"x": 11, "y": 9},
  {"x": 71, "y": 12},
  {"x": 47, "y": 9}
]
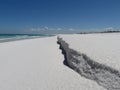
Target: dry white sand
[
  {"x": 37, "y": 64},
  {"x": 102, "y": 48}
]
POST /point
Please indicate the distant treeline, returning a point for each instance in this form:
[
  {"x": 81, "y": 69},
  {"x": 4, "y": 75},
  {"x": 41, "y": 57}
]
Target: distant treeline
[{"x": 109, "y": 31}]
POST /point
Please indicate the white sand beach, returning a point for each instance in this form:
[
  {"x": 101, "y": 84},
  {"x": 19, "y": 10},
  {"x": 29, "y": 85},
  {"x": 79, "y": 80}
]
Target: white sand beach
[{"x": 37, "y": 64}]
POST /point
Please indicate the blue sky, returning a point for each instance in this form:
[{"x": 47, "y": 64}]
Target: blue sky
[{"x": 36, "y": 16}]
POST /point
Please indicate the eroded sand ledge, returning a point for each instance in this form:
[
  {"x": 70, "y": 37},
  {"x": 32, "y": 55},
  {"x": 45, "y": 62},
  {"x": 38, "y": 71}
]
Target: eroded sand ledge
[{"x": 105, "y": 76}]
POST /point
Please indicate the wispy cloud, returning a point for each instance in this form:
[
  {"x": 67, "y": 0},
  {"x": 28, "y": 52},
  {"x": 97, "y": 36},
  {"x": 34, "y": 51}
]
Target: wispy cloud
[
  {"x": 39, "y": 29},
  {"x": 45, "y": 29},
  {"x": 59, "y": 29},
  {"x": 109, "y": 29},
  {"x": 71, "y": 29}
]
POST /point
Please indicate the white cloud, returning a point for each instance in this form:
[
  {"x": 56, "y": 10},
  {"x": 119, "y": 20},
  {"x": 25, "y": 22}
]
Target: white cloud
[
  {"x": 59, "y": 28},
  {"x": 109, "y": 29},
  {"x": 45, "y": 28},
  {"x": 71, "y": 29},
  {"x": 39, "y": 29},
  {"x": 32, "y": 29},
  {"x": 35, "y": 29}
]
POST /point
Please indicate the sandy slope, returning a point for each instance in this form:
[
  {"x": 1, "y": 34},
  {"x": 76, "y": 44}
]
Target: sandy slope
[{"x": 37, "y": 64}]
